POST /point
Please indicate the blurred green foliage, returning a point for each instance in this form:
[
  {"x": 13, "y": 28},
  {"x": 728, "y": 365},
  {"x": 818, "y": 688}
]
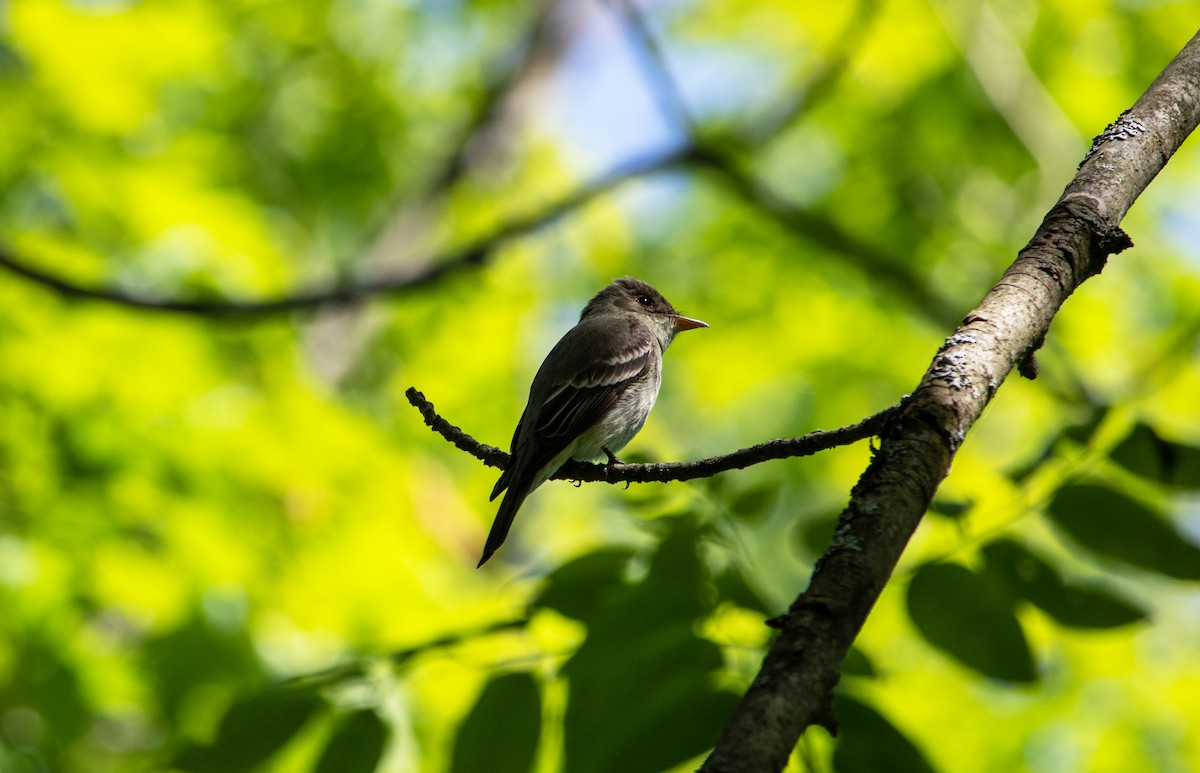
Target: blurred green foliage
[{"x": 228, "y": 543}]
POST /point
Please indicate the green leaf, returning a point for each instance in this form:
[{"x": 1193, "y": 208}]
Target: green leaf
[
  {"x": 970, "y": 619},
  {"x": 867, "y": 742},
  {"x": 857, "y": 663},
  {"x": 194, "y": 654},
  {"x": 951, "y": 510},
  {"x": 1150, "y": 456},
  {"x": 1115, "y": 526},
  {"x": 642, "y": 699},
  {"x": 251, "y": 731},
  {"x": 754, "y": 504},
  {"x": 641, "y": 692},
  {"x": 501, "y": 733},
  {"x": 816, "y": 533},
  {"x": 577, "y": 587},
  {"x": 356, "y": 746},
  {"x": 732, "y": 587},
  {"x": 1032, "y": 578},
  {"x": 1079, "y": 433}
]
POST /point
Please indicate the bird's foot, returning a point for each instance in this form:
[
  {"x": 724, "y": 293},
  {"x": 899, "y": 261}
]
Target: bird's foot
[{"x": 608, "y": 466}]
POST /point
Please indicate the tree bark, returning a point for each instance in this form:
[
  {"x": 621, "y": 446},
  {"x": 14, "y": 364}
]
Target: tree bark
[{"x": 793, "y": 690}]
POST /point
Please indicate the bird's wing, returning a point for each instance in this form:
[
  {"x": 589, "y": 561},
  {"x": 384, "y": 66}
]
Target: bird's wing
[{"x": 587, "y": 394}]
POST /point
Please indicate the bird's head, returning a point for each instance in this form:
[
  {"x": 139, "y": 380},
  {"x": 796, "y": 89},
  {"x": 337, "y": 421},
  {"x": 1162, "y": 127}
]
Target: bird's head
[{"x": 635, "y": 296}]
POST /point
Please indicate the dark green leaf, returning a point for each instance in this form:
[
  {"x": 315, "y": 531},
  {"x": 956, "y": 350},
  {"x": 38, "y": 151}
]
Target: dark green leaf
[
  {"x": 678, "y": 586},
  {"x": 816, "y": 533},
  {"x": 971, "y": 619},
  {"x": 732, "y": 587},
  {"x": 1150, "y": 456},
  {"x": 754, "y": 503},
  {"x": 1113, "y": 525},
  {"x": 501, "y": 733},
  {"x": 641, "y": 698},
  {"x": 1142, "y": 452},
  {"x": 356, "y": 746},
  {"x": 577, "y": 587},
  {"x": 858, "y": 664},
  {"x": 1032, "y": 578},
  {"x": 251, "y": 731},
  {"x": 951, "y": 509},
  {"x": 642, "y": 702},
  {"x": 1081, "y": 432},
  {"x": 867, "y": 742},
  {"x": 197, "y": 653},
  {"x": 696, "y": 718},
  {"x": 1186, "y": 471}
]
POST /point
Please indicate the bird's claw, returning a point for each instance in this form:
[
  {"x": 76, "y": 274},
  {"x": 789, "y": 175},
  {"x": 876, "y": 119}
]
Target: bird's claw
[{"x": 608, "y": 466}]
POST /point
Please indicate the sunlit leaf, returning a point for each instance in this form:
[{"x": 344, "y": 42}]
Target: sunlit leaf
[
  {"x": 971, "y": 619},
  {"x": 1113, "y": 525},
  {"x": 502, "y": 730}
]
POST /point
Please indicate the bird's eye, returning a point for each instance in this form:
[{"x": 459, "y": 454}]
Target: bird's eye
[{"x": 645, "y": 301}]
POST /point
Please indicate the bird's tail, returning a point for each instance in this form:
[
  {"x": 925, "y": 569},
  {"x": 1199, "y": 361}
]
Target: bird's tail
[{"x": 513, "y": 499}]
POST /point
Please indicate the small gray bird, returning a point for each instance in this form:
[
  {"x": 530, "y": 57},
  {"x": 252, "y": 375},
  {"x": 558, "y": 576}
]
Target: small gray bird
[{"x": 592, "y": 393}]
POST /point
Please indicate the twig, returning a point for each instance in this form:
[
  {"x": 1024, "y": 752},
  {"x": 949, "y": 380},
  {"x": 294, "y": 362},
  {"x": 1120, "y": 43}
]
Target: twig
[
  {"x": 783, "y": 448},
  {"x": 357, "y": 667}
]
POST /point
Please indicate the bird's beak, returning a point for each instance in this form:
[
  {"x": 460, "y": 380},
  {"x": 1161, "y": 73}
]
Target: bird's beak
[{"x": 687, "y": 323}]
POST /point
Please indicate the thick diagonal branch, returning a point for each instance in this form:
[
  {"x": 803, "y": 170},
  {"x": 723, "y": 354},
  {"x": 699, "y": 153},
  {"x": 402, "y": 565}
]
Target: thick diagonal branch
[{"x": 793, "y": 688}]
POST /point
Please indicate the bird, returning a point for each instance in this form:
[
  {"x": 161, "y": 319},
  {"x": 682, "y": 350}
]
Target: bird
[{"x": 592, "y": 393}]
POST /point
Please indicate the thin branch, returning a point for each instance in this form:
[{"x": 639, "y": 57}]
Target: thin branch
[
  {"x": 496, "y": 94},
  {"x": 794, "y": 687},
  {"x": 815, "y": 228},
  {"x": 656, "y": 72},
  {"x": 358, "y": 667},
  {"x": 438, "y": 267},
  {"x": 782, "y": 448},
  {"x": 502, "y": 79},
  {"x": 820, "y": 84}
]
